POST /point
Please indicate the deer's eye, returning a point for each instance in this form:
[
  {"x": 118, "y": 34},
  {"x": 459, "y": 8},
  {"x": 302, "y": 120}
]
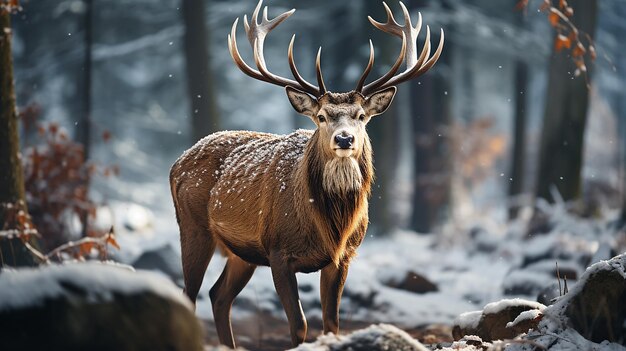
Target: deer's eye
[
  {"x": 362, "y": 117},
  {"x": 321, "y": 119}
]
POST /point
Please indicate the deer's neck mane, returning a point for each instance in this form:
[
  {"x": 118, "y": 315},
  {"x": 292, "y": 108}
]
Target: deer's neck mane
[{"x": 337, "y": 190}]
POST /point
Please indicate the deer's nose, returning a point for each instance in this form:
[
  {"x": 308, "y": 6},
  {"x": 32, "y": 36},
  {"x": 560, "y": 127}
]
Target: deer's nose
[{"x": 344, "y": 141}]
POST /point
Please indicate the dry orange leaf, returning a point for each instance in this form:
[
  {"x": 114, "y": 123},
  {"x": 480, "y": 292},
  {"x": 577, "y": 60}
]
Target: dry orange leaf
[
  {"x": 85, "y": 248},
  {"x": 111, "y": 240},
  {"x": 579, "y": 50},
  {"x": 554, "y": 18},
  {"x": 562, "y": 42},
  {"x": 521, "y": 5}
]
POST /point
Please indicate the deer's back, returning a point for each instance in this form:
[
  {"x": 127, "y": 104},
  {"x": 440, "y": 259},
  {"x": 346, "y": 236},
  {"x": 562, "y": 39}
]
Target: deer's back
[
  {"x": 240, "y": 185},
  {"x": 197, "y": 171}
]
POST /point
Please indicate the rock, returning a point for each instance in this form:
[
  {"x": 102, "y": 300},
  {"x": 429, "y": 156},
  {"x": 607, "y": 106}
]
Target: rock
[
  {"x": 589, "y": 317},
  {"x": 497, "y": 320},
  {"x": 94, "y": 306},
  {"x": 381, "y": 337},
  {"x": 414, "y": 283},
  {"x": 164, "y": 259},
  {"x": 526, "y": 321},
  {"x": 597, "y": 308}
]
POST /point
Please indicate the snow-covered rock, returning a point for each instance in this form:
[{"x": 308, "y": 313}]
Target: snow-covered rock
[
  {"x": 591, "y": 316},
  {"x": 504, "y": 319},
  {"x": 94, "y": 306},
  {"x": 381, "y": 337}
]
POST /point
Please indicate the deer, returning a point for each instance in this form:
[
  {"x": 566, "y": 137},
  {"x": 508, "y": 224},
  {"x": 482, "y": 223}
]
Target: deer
[{"x": 297, "y": 203}]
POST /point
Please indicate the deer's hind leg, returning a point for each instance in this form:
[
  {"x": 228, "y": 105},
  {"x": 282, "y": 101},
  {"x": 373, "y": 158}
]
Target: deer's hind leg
[
  {"x": 233, "y": 279},
  {"x": 197, "y": 247}
]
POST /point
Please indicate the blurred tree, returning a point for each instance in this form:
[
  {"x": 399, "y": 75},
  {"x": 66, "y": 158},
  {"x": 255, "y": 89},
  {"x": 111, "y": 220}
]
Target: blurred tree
[
  {"x": 13, "y": 250},
  {"x": 200, "y": 88},
  {"x": 622, "y": 123},
  {"x": 83, "y": 127},
  {"x": 560, "y": 153},
  {"x": 383, "y": 130},
  {"x": 519, "y": 128},
  {"x": 431, "y": 111}
]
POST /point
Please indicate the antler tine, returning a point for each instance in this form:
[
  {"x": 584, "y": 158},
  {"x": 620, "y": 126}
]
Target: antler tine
[
  {"x": 318, "y": 71},
  {"x": 413, "y": 71},
  {"x": 373, "y": 86},
  {"x": 368, "y": 69},
  {"x": 256, "y": 33},
  {"x": 431, "y": 62},
  {"x": 415, "y": 66},
  {"x": 234, "y": 53},
  {"x": 265, "y": 19},
  {"x": 271, "y": 78},
  {"x": 391, "y": 26},
  {"x": 294, "y": 70}
]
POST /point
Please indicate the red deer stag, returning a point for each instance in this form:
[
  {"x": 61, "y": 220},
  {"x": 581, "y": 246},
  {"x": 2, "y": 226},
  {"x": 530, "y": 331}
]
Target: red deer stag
[{"x": 297, "y": 202}]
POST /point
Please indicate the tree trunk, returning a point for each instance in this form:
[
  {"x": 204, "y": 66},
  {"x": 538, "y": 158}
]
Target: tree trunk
[
  {"x": 200, "y": 88},
  {"x": 13, "y": 251},
  {"x": 622, "y": 134},
  {"x": 383, "y": 130},
  {"x": 565, "y": 116},
  {"x": 519, "y": 132},
  {"x": 83, "y": 128},
  {"x": 431, "y": 111}
]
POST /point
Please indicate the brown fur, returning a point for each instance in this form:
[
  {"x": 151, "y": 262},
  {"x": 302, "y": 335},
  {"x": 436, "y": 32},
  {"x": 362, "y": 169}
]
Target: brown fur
[
  {"x": 323, "y": 224},
  {"x": 261, "y": 199}
]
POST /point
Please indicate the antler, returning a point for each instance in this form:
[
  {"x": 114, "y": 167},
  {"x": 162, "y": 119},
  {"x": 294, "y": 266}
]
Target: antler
[
  {"x": 415, "y": 66},
  {"x": 256, "y": 33}
]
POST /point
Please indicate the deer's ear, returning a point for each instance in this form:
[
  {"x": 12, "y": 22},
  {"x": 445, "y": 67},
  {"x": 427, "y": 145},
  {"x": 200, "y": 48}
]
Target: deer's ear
[
  {"x": 302, "y": 102},
  {"x": 379, "y": 102}
]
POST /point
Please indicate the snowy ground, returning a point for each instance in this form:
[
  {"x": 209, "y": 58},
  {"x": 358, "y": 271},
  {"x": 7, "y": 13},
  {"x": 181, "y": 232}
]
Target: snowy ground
[{"x": 471, "y": 267}]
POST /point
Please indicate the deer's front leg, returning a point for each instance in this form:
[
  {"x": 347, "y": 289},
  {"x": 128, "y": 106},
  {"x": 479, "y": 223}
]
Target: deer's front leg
[
  {"x": 287, "y": 288},
  {"x": 331, "y": 286}
]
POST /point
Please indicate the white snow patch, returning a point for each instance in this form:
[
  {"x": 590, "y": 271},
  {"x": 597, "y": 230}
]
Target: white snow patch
[
  {"x": 524, "y": 316},
  {"x": 468, "y": 319},
  {"x": 374, "y": 335},
  {"x": 498, "y": 306},
  {"x": 32, "y": 286}
]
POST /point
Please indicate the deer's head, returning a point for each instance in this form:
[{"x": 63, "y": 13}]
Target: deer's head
[{"x": 340, "y": 117}]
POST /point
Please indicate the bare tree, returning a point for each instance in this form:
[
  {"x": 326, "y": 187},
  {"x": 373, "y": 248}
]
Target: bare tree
[
  {"x": 622, "y": 124},
  {"x": 519, "y": 129},
  {"x": 431, "y": 115},
  {"x": 383, "y": 131},
  {"x": 12, "y": 201},
  {"x": 200, "y": 89},
  {"x": 83, "y": 128},
  {"x": 565, "y": 115}
]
